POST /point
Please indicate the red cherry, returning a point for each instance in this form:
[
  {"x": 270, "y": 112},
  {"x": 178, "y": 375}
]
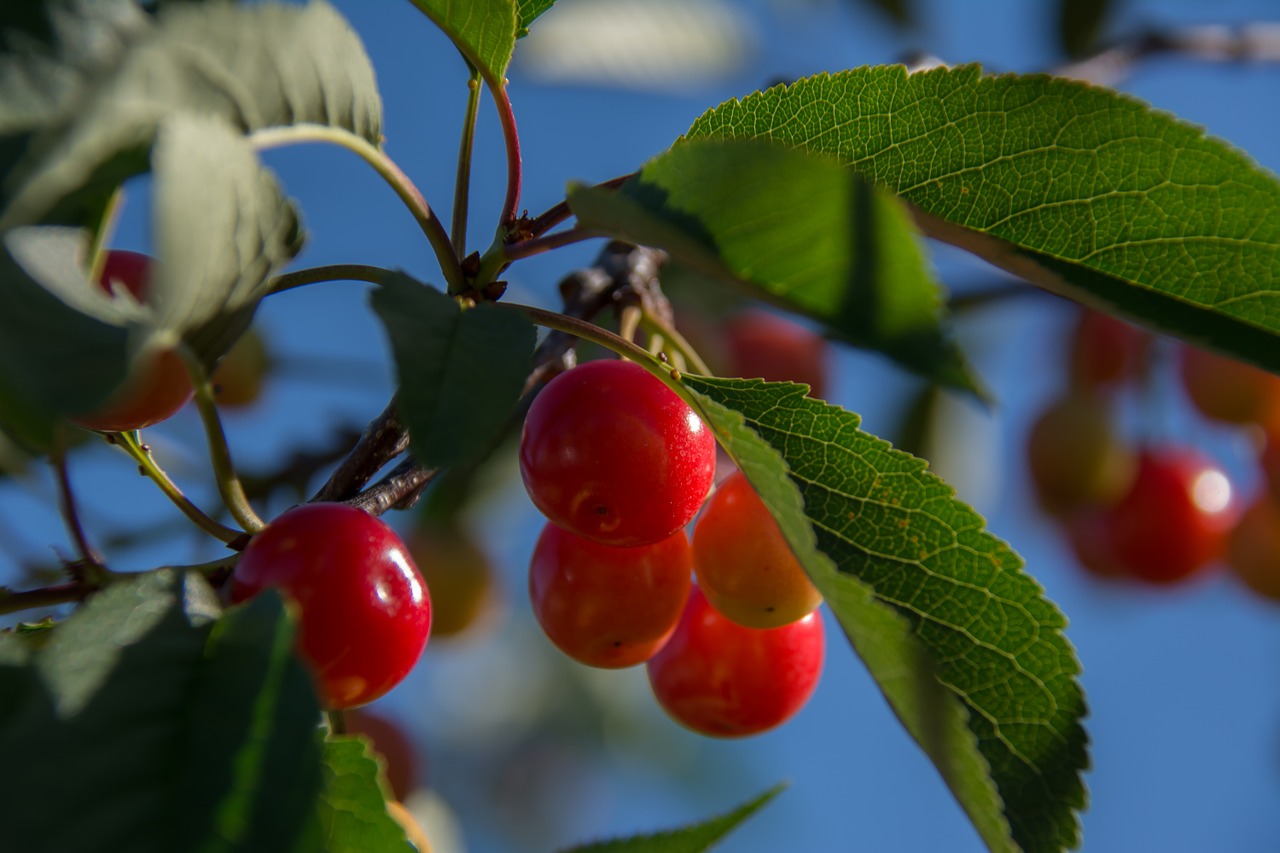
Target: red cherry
[
  {"x": 723, "y": 680},
  {"x": 604, "y": 606},
  {"x": 1253, "y": 547},
  {"x": 363, "y": 611},
  {"x": 399, "y": 756},
  {"x": 770, "y": 347},
  {"x": 1106, "y": 351},
  {"x": 158, "y": 384},
  {"x": 745, "y": 567},
  {"x": 1227, "y": 390},
  {"x": 1174, "y": 520},
  {"x": 610, "y": 453}
]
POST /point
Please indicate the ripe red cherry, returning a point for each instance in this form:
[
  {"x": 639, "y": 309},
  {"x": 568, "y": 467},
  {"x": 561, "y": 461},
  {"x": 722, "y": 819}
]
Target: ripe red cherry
[
  {"x": 744, "y": 565},
  {"x": 723, "y": 680},
  {"x": 612, "y": 454},
  {"x": 604, "y": 606},
  {"x": 1174, "y": 519},
  {"x": 1106, "y": 351},
  {"x": 776, "y": 349},
  {"x": 158, "y": 385},
  {"x": 1227, "y": 390},
  {"x": 363, "y": 611}
]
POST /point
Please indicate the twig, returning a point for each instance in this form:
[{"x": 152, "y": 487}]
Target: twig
[
  {"x": 67, "y": 505},
  {"x": 398, "y": 490},
  {"x": 1253, "y": 42},
  {"x": 383, "y": 439}
]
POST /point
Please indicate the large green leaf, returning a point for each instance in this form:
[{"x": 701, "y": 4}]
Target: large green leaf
[
  {"x": 1082, "y": 190},
  {"x": 254, "y": 65},
  {"x": 484, "y": 31},
  {"x": 967, "y": 650},
  {"x": 461, "y": 371},
  {"x": 800, "y": 230},
  {"x": 159, "y": 728},
  {"x": 688, "y": 839},
  {"x": 353, "y": 808}
]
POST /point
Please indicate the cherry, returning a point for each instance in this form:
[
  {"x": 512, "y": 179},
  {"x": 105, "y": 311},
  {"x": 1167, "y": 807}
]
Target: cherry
[
  {"x": 457, "y": 572},
  {"x": 1074, "y": 456},
  {"x": 604, "y": 606},
  {"x": 389, "y": 741},
  {"x": 363, "y": 611},
  {"x": 612, "y": 454},
  {"x": 242, "y": 372},
  {"x": 1224, "y": 389},
  {"x": 1088, "y": 536},
  {"x": 1253, "y": 547},
  {"x": 1106, "y": 351},
  {"x": 744, "y": 565},
  {"x": 765, "y": 345},
  {"x": 1174, "y": 519},
  {"x": 157, "y": 385},
  {"x": 721, "y": 679}
]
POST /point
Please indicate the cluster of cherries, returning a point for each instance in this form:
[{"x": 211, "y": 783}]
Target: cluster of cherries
[
  {"x": 620, "y": 465},
  {"x": 1165, "y": 513}
]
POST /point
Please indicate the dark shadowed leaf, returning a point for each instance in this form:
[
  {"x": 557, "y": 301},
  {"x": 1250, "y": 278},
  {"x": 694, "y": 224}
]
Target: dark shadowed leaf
[
  {"x": 967, "y": 650},
  {"x": 353, "y": 807},
  {"x": 689, "y": 839},
  {"x": 801, "y": 231},
  {"x": 460, "y": 371},
  {"x": 483, "y": 30},
  {"x": 185, "y": 730},
  {"x": 1082, "y": 190},
  {"x": 253, "y": 65}
]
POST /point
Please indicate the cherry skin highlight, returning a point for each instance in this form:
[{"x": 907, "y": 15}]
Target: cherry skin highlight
[
  {"x": 723, "y": 680},
  {"x": 158, "y": 385},
  {"x": 604, "y": 606},
  {"x": 744, "y": 565},
  {"x": 363, "y": 610},
  {"x": 610, "y": 453}
]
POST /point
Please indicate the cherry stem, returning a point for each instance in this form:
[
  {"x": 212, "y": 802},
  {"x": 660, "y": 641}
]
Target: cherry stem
[
  {"x": 382, "y": 440},
  {"x": 515, "y": 168},
  {"x": 337, "y": 720},
  {"x": 630, "y": 322},
  {"x": 391, "y": 173},
  {"x": 331, "y": 272},
  {"x": 553, "y": 216},
  {"x": 67, "y": 503},
  {"x": 140, "y": 453},
  {"x": 538, "y": 245},
  {"x": 229, "y": 485},
  {"x": 655, "y": 325},
  {"x": 462, "y": 184}
]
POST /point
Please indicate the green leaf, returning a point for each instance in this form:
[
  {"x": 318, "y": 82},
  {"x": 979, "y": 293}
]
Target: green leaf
[
  {"x": 965, "y": 647},
  {"x": 484, "y": 31},
  {"x": 1080, "y": 24},
  {"x": 800, "y": 230},
  {"x": 160, "y": 726},
  {"x": 216, "y": 257},
  {"x": 1082, "y": 190},
  {"x": 689, "y": 839},
  {"x": 353, "y": 807},
  {"x": 527, "y": 12},
  {"x": 461, "y": 372},
  {"x": 253, "y": 65}
]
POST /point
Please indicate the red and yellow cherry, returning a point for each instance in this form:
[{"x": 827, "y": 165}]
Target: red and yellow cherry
[
  {"x": 744, "y": 566},
  {"x": 157, "y": 385},
  {"x": 766, "y": 346},
  {"x": 605, "y": 606},
  {"x": 399, "y": 756},
  {"x": 610, "y": 453},
  {"x": 363, "y": 610},
  {"x": 459, "y": 575},
  {"x": 721, "y": 679},
  {"x": 1174, "y": 520},
  {"x": 1106, "y": 351},
  {"x": 1227, "y": 390},
  {"x": 239, "y": 377},
  {"x": 1074, "y": 456},
  {"x": 1253, "y": 548}
]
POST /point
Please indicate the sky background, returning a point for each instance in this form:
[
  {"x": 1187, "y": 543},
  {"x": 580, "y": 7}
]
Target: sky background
[{"x": 530, "y": 752}]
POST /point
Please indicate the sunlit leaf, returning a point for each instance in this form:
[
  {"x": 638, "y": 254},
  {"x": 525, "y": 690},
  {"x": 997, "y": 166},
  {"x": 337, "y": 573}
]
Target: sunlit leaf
[
  {"x": 353, "y": 808},
  {"x": 483, "y": 30}
]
